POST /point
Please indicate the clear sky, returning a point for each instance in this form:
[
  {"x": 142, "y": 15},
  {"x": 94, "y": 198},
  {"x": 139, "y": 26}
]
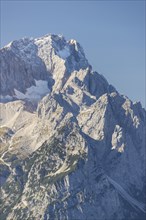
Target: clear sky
[{"x": 112, "y": 34}]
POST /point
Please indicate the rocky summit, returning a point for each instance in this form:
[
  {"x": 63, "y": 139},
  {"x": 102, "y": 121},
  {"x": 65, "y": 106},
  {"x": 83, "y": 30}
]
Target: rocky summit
[{"x": 71, "y": 146}]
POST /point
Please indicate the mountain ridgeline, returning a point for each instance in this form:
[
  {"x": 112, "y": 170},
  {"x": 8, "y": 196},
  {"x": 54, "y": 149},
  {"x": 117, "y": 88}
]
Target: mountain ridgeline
[{"x": 71, "y": 146}]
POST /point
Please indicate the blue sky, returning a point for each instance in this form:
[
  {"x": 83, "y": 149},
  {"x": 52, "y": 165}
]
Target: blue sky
[{"x": 112, "y": 34}]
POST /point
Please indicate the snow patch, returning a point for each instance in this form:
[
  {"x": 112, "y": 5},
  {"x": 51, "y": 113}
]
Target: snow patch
[{"x": 34, "y": 93}]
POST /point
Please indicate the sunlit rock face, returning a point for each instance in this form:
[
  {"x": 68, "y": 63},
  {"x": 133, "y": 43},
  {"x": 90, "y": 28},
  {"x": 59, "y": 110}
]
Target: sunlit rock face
[{"x": 71, "y": 147}]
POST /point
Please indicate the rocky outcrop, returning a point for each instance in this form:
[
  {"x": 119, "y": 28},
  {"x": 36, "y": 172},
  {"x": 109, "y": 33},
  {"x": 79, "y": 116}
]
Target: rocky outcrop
[{"x": 76, "y": 149}]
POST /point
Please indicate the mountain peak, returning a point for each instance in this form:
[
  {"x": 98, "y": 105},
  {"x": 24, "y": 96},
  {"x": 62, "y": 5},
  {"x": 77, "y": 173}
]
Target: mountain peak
[
  {"x": 71, "y": 147},
  {"x": 49, "y": 58}
]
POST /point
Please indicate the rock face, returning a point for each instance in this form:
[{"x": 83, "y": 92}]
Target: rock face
[{"x": 72, "y": 147}]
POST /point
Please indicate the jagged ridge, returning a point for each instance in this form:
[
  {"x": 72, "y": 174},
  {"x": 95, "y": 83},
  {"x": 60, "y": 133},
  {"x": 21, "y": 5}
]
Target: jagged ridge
[{"x": 69, "y": 140}]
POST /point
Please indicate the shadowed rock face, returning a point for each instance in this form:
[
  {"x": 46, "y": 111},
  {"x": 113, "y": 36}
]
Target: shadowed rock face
[{"x": 71, "y": 146}]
